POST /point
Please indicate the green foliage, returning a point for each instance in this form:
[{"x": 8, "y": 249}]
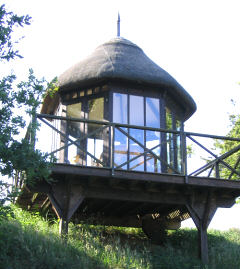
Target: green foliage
[
  {"x": 52, "y": 87},
  {"x": 8, "y": 23},
  {"x": 228, "y": 145},
  {"x": 18, "y": 103},
  {"x": 28, "y": 241}
]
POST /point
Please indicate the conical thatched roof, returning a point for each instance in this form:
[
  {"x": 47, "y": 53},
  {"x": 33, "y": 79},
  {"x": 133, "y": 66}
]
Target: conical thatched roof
[{"x": 121, "y": 60}]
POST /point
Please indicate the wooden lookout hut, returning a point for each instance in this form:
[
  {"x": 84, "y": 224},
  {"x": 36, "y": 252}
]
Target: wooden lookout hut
[{"x": 118, "y": 136}]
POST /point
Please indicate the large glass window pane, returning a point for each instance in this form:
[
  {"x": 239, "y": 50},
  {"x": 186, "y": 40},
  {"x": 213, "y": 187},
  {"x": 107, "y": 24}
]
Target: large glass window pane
[
  {"x": 74, "y": 130},
  {"x": 169, "y": 141},
  {"x": 136, "y": 118},
  {"x": 96, "y": 109},
  {"x": 136, "y": 151},
  {"x": 95, "y": 141},
  {"x": 73, "y": 156},
  {"x": 94, "y": 147},
  {"x": 152, "y": 112},
  {"x": 120, "y": 108},
  {"x": 120, "y": 115},
  {"x": 136, "y": 110},
  {"x": 152, "y": 137},
  {"x": 120, "y": 148},
  {"x": 75, "y": 111},
  {"x": 178, "y": 142},
  {"x": 153, "y": 143},
  {"x": 169, "y": 119}
]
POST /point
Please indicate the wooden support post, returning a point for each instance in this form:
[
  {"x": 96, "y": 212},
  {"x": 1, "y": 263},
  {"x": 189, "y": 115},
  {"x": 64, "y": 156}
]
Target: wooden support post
[
  {"x": 202, "y": 209},
  {"x": 202, "y": 244},
  {"x": 65, "y": 198},
  {"x": 63, "y": 228}
]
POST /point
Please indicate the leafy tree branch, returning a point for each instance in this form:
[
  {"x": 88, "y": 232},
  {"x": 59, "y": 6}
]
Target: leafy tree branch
[{"x": 18, "y": 103}]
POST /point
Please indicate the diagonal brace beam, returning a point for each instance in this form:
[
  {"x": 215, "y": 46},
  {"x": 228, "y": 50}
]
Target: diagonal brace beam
[{"x": 220, "y": 158}]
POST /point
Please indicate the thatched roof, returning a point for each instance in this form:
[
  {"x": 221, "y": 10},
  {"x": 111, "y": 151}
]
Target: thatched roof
[{"x": 121, "y": 60}]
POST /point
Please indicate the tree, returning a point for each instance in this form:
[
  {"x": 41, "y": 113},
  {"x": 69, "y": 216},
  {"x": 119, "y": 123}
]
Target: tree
[
  {"x": 234, "y": 159},
  {"x": 18, "y": 158}
]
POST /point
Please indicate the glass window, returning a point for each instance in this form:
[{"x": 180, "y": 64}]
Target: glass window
[
  {"x": 120, "y": 115},
  {"x": 120, "y": 108},
  {"x": 152, "y": 112},
  {"x": 96, "y": 109},
  {"x": 74, "y": 131},
  {"x": 178, "y": 125},
  {"x": 75, "y": 111},
  {"x": 153, "y": 143},
  {"x": 136, "y": 110},
  {"x": 145, "y": 111},
  {"x": 95, "y": 139},
  {"x": 89, "y": 150},
  {"x": 153, "y": 137},
  {"x": 178, "y": 143},
  {"x": 95, "y": 148},
  {"x": 136, "y": 118},
  {"x": 120, "y": 148},
  {"x": 135, "y": 150},
  {"x": 169, "y": 140},
  {"x": 169, "y": 120},
  {"x": 173, "y": 142}
]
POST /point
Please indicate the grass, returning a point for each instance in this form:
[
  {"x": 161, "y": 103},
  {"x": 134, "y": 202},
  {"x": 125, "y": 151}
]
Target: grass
[{"x": 28, "y": 241}]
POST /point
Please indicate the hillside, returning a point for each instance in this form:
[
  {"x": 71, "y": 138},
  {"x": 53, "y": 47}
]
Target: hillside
[{"x": 28, "y": 241}]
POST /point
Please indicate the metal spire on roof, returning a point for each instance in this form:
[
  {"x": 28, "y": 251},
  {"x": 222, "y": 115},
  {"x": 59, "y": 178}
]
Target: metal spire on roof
[{"x": 118, "y": 25}]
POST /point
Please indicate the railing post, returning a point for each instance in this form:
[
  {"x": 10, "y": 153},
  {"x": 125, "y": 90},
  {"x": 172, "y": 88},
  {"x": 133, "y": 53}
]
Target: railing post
[
  {"x": 112, "y": 146},
  {"x": 217, "y": 170},
  {"x": 184, "y": 156}
]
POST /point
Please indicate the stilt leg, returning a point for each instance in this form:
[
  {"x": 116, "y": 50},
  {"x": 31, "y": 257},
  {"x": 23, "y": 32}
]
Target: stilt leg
[
  {"x": 63, "y": 228},
  {"x": 203, "y": 244},
  {"x": 202, "y": 210},
  {"x": 65, "y": 198}
]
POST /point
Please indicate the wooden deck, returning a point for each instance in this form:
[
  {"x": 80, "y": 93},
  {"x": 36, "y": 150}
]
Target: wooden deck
[{"x": 129, "y": 193}]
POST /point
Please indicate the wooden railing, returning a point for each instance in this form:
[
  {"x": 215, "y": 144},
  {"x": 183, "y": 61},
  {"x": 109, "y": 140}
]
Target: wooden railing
[{"x": 137, "y": 148}]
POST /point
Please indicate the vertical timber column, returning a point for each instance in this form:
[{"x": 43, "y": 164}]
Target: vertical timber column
[
  {"x": 63, "y": 129},
  {"x": 202, "y": 208},
  {"x": 202, "y": 243},
  {"x": 65, "y": 197},
  {"x": 63, "y": 227}
]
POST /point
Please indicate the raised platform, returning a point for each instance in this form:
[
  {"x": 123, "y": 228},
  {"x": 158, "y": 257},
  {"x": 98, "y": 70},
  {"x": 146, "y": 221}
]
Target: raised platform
[{"x": 128, "y": 193}]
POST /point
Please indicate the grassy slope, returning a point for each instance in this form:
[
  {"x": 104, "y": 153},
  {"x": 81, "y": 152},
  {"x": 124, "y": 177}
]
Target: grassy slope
[{"x": 30, "y": 242}]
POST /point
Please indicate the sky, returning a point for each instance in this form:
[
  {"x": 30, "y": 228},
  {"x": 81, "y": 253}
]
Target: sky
[{"x": 197, "y": 42}]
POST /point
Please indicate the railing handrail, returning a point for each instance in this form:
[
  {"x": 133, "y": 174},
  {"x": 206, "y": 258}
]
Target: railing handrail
[
  {"x": 138, "y": 127},
  {"x": 213, "y": 136},
  {"x": 182, "y": 135},
  {"x": 108, "y": 123}
]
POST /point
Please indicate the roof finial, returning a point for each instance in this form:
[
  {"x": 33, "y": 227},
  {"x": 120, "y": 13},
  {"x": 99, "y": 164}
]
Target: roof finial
[{"x": 118, "y": 25}]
